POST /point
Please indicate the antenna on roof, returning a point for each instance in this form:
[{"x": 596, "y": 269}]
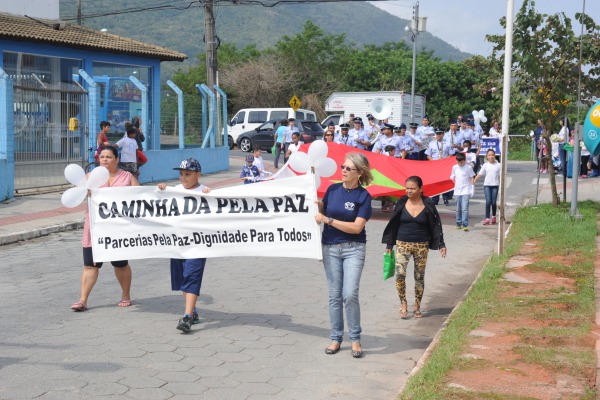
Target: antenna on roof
[{"x": 40, "y": 22}]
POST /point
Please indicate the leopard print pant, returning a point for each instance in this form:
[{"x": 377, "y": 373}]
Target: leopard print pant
[{"x": 419, "y": 252}]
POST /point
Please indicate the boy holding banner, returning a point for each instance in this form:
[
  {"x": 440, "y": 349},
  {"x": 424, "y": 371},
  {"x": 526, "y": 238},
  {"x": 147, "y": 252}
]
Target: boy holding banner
[{"x": 186, "y": 275}]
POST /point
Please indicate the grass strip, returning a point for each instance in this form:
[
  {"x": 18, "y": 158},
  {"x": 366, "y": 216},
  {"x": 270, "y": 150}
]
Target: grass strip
[{"x": 558, "y": 235}]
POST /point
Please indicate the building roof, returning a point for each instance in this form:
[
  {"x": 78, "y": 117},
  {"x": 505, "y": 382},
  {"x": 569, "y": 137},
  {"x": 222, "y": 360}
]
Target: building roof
[{"x": 16, "y": 27}]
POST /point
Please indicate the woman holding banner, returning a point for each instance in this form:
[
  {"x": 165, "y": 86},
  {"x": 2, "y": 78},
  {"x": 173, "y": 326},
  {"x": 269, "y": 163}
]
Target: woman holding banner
[
  {"x": 109, "y": 158},
  {"x": 345, "y": 210}
]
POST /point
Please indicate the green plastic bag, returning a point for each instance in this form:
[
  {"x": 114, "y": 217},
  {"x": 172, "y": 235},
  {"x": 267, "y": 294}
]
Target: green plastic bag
[
  {"x": 389, "y": 265},
  {"x": 273, "y": 149}
]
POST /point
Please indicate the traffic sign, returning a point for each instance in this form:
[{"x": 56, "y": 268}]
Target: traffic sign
[{"x": 295, "y": 103}]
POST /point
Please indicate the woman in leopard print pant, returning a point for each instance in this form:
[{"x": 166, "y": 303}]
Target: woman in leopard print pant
[{"x": 414, "y": 228}]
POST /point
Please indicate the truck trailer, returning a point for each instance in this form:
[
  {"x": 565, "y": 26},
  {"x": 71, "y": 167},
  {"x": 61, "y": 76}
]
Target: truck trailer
[{"x": 396, "y": 105}]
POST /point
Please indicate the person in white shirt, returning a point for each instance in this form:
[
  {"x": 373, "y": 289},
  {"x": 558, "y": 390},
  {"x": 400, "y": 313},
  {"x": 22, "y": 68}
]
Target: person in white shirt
[
  {"x": 129, "y": 148},
  {"x": 387, "y": 139},
  {"x": 495, "y": 130},
  {"x": 563, "y": 137},
  {"x": 415, "y": 142},
  {"x": 491, "y": 171},
  {"x": 462, "y": 176},
  {"x": 360, "y": 136},
  {"x": 437, "y": 150},
  {"x": 344, "y": 137},
  {"x": 453, "y": 139},
  {"x": 295, "y": 145},
  {"x": 373, "y": 130},
  {"x": 470, "y": 157},
  {"x": 258, "y": 160},
  {"x": 426, "y": 134}
]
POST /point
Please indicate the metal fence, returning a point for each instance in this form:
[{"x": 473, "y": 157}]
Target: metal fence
[
  {"x": 50, "y": 132},
  {"x": 192, "y": 114}
]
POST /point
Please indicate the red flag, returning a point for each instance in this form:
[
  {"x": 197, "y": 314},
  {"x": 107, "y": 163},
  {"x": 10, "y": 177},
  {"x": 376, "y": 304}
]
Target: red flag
[{"x": 390, "y": 173}]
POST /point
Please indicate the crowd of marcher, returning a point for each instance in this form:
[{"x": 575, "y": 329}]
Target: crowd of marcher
[{"x": 414, "y": 227}]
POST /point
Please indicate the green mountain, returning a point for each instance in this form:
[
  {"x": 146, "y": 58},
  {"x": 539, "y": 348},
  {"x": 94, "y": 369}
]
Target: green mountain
[{"x": 247, "y": 23}]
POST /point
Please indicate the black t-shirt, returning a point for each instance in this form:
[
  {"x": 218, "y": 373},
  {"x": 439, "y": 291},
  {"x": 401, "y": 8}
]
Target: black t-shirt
[{"x": 413, "y": 229}]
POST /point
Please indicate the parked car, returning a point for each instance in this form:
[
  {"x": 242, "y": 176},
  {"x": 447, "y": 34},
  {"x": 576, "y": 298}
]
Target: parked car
[
  {"x": 250, "y": 118},
  {"x": 264, "y": 134}
]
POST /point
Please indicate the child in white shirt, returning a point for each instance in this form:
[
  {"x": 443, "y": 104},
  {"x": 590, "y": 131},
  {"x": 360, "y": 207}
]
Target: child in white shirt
[
  {"x": 462, "y": 175},
  {"x": 471, "y": 158},
  {"x": 258, "y": 160},
  {"x": 129, "y": 148}
]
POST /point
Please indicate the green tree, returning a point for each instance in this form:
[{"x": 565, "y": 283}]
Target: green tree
[
  {"x": 546, "y": 59},
  {"x": 316, "y": 59}
]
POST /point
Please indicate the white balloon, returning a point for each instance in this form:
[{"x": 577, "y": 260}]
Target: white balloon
[
  {"x": 484, "y": 119},
  {"x": 75, "y": 174},
  {"x": 327, "y": 167},
  {"x": 299, "y": 161},
  {"x": 74, "y": 196},
  {"x": 474, "y": 113},
  {"x": 317, "y": 152},
  {"x": 97, "y": 178}
]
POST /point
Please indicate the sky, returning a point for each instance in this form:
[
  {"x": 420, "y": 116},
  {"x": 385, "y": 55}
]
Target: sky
[{"x": 464, "y": 23}]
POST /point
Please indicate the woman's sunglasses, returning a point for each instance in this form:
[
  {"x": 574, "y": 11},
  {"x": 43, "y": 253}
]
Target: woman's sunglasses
[{"x": 343, "y": 167}]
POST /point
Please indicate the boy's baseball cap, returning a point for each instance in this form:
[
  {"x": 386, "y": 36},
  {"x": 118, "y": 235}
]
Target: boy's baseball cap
[
  {"x": 249, "y": 158},
  {"x": 191, "y": 164}
]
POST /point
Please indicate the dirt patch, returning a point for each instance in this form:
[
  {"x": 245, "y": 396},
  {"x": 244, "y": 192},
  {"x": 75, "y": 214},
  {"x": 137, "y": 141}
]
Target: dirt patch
[{"x": 497, "y": 358}]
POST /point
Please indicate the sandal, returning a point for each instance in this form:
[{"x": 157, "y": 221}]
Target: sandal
[
  {"x": 404, "y": 311},
  {"x": 125, "y": 303},
  {"x": 418, "y": 314},
  {"x": 79, "y": 306}
]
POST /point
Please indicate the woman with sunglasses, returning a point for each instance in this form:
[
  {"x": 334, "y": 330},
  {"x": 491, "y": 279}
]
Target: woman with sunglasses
[
  {"x": 345, "y": 210},
  {"x": 328, "y": 137}
]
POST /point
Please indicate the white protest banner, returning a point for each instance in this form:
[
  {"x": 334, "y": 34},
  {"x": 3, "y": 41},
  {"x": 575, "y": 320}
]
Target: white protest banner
[{"x": 268, "y": 219}]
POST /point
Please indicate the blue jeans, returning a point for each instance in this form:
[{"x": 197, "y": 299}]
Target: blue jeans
[
  {"x": 462, "y": 210},
  {"x": 278, "y": 150},
  {"x": 491, "y": 196},
  {"x": 343, "y": 267}
]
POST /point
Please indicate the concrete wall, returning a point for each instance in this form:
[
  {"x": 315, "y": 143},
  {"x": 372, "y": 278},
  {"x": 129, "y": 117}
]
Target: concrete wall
[{"x": 161, "y": 162}]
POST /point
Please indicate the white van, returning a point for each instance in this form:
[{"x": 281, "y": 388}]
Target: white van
[{"x": 247, "y": 119}]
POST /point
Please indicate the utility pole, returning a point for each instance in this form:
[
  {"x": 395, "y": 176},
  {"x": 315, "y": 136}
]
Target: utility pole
[
  {"x": 417, "y": 25},
  {"x": 78, "y": 12},
  {"x": 510, "y": 17},
  {"x": 209, "y": 39}
]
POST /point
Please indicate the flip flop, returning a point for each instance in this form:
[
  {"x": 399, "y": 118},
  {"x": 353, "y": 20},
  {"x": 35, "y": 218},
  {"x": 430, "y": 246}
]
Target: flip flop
[
  {"x": 403, "y": 313},
  {"x": 79, "y": 306},
  {"x": 125, "y": 303}
]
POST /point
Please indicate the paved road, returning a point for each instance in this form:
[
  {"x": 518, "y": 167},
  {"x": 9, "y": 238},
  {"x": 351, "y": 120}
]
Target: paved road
[{"x": 263, "y": 331}]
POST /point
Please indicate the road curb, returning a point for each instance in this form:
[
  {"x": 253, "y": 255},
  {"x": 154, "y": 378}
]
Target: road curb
[
  {"x": 39, "y": 232},
  {"x": 425, "y": 357}
]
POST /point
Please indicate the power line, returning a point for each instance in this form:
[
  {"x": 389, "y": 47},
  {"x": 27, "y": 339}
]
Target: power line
[{"x": 200, "y": 3}]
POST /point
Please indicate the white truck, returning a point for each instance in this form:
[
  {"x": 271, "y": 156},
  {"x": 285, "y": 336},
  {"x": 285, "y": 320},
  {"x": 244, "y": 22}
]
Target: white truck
[{"x": 395, "y": 104}]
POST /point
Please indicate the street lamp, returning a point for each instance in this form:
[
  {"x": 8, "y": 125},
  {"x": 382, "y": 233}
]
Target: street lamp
[{"x": 417, "y": 25}]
